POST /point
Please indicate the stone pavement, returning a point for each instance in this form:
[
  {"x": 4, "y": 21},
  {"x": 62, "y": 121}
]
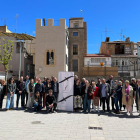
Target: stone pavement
[{"x": 29, "y": 125}]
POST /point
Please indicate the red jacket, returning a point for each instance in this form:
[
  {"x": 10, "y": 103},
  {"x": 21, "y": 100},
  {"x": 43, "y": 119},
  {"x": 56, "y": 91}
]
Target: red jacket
[{"x": 96, "y": 92}]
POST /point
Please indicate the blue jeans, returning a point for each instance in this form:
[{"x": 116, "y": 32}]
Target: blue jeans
[
  {"x": 10, "y": 101},
  {"x": 37, "y": 107},
  {"x": 22, "y": 99},
  {"x": 85, "y": 103},
  {"x": 116, "y": 103}
]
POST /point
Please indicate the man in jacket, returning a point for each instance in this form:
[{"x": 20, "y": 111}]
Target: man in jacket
[
  {"x": 39, "y": 87},
  {"x": 50, "y": 102},
  {"x": 111, "y": 83},
  {"x": 21, "y": 87},
  {"x": 55, "y": 88},
  {"x": 134, "y": 85},
  {"x": 27, "y": 81},
  {"x": 104, "y": 93},
  {"x": 137, "y": 96}
]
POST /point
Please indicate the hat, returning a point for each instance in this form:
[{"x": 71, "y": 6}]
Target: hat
[{"x": 133, "y": 79}]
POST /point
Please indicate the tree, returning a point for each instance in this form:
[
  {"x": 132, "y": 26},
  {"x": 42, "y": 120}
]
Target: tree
[{"x": 6, "y": 52}]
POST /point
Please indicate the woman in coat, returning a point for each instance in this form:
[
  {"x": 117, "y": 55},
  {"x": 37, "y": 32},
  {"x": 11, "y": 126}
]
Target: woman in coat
[
  {"x": 77, "y": 95},
  {"x": 95, "y": 96},
  {"x": 87, "y": 95},
  {"x": 30, "y": 91},
  {"x": 127, "y": 96},
  {"x": 2, "y": 92},
  {"x": 11, "y": 89}
]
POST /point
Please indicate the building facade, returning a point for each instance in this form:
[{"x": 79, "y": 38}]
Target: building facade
[
  {"x": 123, "y": 55},
  {"x": 77, "y": 45},
  {"x": 51, "y": 51}
]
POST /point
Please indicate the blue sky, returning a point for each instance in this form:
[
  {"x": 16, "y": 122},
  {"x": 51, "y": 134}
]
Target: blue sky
[{"x": 99, "y": 14}]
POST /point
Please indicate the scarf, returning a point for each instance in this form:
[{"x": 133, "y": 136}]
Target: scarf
[
  {"x": 127, "y": 92},
  {"x": 31, "y": 87}
]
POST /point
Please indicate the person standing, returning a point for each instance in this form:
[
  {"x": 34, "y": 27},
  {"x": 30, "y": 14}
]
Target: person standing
[
  {"x": 55, "y": 88},
  {"x": 127, "y": 96},
  {"x": 2, "y": 92},
  {"x": 111, "y": 83},
  {"x": 52, "y": 80},
  {"x": 30, "y": 91},
  {"x": 48, "y": 87},
  {"x": 21, "y": 87},
  {"x": 134, "y": 85},
  {"x": 39, "y": 87},
  {"x": 75, "y": 78},
  {"x": 118, "y": 96},
  {"x": 83, "y": 82},
  {"x": 51, "y": 102},
  {"x": 35, "y": 80},
  {"x": 77, "y": 95},
  {"x": 95, "y": 91},
  {"x": 11, "y": 89},
  {"x": 44, "y": 95},
  {"x": 97, "y": 85},
  {"x": 137, "y": 96},
  {"x": 27, "y": 81},
  {"x": 104, "y": 93},
  {"x": 87, "y": 95}
]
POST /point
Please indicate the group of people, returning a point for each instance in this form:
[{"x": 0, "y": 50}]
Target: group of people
[
  {"x": 37, "y": 95},
  {"x": 34, "y": 93},
  {"x": 105, "y": 91}
]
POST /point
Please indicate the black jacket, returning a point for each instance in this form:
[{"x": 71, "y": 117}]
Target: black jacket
[
  {"x": 119, "y": 92},
  {"x": 52, "y": 87},
  {"x": 50, "y": 100},
  {"x": 47, "y": 88},
  {"x": 134, "y": 88},
  {"x": 23, "y": 87},
  {"x": 11, "y": 86},
  {"x": 77, "y": 90},
  {"x": 3, "y": 89},
  {"x": 37, "y": 100},
  {"x": 40, "y": 88}
]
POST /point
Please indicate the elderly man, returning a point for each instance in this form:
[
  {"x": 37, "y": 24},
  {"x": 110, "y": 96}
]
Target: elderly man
[
  {"x": 111, "y": 83},
  {"x": 83, "y": 82},
  {"x": 55, "y": 88},
  {"x": 104, "y": 93},
  {"x": 75, "y": 78}
]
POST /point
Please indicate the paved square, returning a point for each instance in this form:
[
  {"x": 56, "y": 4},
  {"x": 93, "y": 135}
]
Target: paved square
[{"x": 29, "y": 125}]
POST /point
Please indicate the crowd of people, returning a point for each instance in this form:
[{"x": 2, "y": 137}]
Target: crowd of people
[
  {"x": 105, "y": 91},
  {"x": 36, "y": 94}
]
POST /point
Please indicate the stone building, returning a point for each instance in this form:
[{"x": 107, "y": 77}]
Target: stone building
[
  {"x": 51, "y": 51},
  {"x": 27, "y": 66},
  {"x": 77, "y": 45},
  {"x": 123, "y": 55}
]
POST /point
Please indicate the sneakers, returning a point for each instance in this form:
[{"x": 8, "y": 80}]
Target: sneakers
[
  {"x": 16, "y": 108},
  {"x": 22, "y": 107}
]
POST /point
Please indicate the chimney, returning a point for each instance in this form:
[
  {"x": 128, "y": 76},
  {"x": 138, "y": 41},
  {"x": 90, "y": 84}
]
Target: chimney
[{"x": 107, "y": 39}]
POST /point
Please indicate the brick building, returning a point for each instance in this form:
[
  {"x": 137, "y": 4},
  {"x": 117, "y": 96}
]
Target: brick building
[{"x": 77, "y": 45}]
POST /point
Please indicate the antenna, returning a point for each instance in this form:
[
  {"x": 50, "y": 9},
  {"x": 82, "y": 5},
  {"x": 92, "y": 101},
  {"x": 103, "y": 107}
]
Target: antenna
[
  {"x": 4, "y": 20},
  {"x": 16, "y": 22},
  {"x": 121, "y": 34},
  {"x": 98, "y": 46},
  {"x": 106, "y": 30},
  {"x": 81, "y": 11},
  {"x": 13, "y": 28}
]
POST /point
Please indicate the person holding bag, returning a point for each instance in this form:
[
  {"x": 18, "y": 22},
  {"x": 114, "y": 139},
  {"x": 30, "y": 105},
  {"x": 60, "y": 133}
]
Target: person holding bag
[
  {"x": 95, "y": 91},
  {"x": 127, "y": 99}
]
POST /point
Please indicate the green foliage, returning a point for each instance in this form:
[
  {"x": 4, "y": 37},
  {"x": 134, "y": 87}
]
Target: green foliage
[{"x": 6, "y": 52}]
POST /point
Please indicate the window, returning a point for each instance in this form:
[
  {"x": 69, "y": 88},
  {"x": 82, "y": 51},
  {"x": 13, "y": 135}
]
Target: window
[
  {"x": 75, "y": 33},
  {"x": 76, "y": 25},
  {"x": 75, "y": 49},
  {"x": 98, "y": 60},
  {"x": 119, "y": 49},
  {"x": 75, "y": 65},
  {"x": 50, "y": 57}
]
